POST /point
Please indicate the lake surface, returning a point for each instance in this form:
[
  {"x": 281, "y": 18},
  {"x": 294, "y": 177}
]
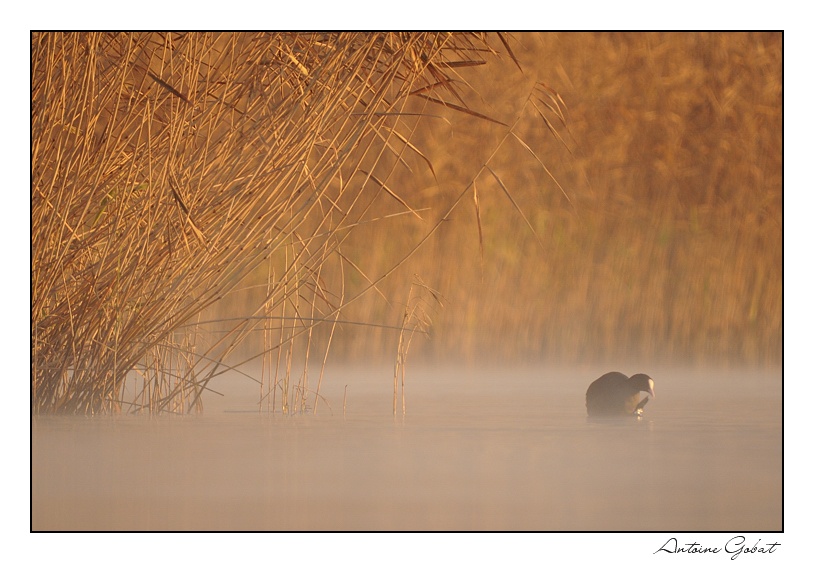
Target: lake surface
[{"x": 492, "y": 451}]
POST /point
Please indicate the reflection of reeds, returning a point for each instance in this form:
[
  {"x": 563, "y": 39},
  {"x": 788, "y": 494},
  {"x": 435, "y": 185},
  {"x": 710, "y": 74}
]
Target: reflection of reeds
[{"x": 167, "y": 167}]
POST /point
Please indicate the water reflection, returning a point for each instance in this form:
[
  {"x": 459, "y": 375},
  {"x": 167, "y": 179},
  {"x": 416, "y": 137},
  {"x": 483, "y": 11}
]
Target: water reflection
[{"x": 472, "y": 453}]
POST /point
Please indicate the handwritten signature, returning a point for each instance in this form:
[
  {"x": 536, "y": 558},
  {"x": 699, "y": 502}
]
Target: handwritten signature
[{"x": 734, "y": 546}]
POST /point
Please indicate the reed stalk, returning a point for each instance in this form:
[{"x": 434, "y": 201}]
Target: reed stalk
[
  {"x": 422, "y": 301},
  {"x": 166, "y": 167}
]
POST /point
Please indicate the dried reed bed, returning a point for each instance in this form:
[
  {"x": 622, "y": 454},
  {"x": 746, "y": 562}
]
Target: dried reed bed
[
  {"x": 269, "y": 181},
  {"x": 676, "y": 253},
  {"x": 167, "y": 168},
  {"x": 670, "y": 248}
]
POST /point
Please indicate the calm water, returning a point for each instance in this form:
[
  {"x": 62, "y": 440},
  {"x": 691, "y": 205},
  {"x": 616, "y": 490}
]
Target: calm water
[{"x": 495, "y": 451}]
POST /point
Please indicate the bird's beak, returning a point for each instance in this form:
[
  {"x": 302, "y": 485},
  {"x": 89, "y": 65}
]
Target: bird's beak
[{"x": 652, "y": 390}]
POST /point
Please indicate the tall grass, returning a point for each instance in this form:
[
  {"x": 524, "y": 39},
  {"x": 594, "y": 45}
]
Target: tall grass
[
  {"x": 166, "y": 168},
  {"x": 422, "y": 302},
  {"x": 668, "y": 249},
  {"x": 200, "y": 200}
]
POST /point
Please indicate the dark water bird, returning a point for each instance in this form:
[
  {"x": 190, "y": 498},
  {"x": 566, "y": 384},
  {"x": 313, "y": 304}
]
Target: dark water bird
[{"x": 615, "y": 394}]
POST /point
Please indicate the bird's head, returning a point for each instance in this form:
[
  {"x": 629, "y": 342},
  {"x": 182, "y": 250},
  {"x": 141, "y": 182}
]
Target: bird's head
[{"x": 643, "y": 382}]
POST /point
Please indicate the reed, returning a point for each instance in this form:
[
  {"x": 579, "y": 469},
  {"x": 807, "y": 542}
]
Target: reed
[
  {"x": 668, "y": 250},
  {"x": 200, "y": 201},
  {"x": 167, "y": 168},
  {"x": 422, "y": 302}
]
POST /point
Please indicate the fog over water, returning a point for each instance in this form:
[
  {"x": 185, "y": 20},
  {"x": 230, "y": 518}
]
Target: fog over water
[{"x": 487, "y": 451}]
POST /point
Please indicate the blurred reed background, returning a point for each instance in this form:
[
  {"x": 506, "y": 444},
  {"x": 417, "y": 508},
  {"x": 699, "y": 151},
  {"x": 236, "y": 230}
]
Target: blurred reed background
[
  {"x": 532, "y": 197},
  {"x": 668, "y": 246}
]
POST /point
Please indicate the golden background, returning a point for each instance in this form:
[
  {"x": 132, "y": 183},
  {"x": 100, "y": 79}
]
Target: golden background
[{"x": 663, "y": 246}]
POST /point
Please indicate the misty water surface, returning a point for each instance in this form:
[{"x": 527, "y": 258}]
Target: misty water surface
[{"x": 492, "y": 451}]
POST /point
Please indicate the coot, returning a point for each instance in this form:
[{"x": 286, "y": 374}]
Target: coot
[{"x": 615, "y": 394}]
